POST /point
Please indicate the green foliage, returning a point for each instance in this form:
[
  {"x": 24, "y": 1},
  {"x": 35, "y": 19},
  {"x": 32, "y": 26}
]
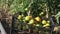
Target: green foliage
[
  {"x": 57, "y": 17},
  {"x": 31, "y": 7},
  {"x": 34, "y": 6}
]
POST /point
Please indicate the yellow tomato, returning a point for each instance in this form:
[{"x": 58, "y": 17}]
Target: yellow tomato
[
  {"x": 27, "y": 18},
  {"x": 31, "y": 21},
  {"x": 44, "y": 22},
  {"x": 30, "y": 17},
  {"x": 46, "y": 25},
  {"x": 19, "y": 17},
  {"x": 38, "y": 19},
  {"x": 48, "y": 21},
  {"x": 37, "y": 24},
  {"x": 41, "y": 13}
]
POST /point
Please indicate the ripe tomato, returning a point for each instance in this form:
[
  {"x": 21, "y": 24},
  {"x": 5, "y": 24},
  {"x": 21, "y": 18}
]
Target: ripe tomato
[
  {"x": 19, "y": 17},
  {"x": 44, "y": 22},
  {"x": 38, "y": 19},
  {"x": 31, "y": 21}
]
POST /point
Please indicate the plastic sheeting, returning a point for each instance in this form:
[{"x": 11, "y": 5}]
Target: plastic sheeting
[{"x": 2, "y": 29}]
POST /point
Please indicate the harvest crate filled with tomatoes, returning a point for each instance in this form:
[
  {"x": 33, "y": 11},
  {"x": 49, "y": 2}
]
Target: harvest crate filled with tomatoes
[{"x": 32, "y": 24}]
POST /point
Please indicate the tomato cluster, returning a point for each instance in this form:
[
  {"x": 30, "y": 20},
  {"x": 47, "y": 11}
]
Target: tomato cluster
[{"x": 37, "y": 21}]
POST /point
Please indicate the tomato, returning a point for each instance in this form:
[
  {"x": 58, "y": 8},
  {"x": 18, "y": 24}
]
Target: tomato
[
  {"x": 27, "y": 18},
  {"x": 31, "y": 21},
  {"x": 38, "y": 19},
  {"x": 37, "y": 25},
  {"x": 30, "y": 17},
  {"x": 46, "y": 25},
  {"x": 19, "y": 17},
  {"x": 44, "y": 21},
  {"x": 48, "y": 21},
  {"x": 41, "y": 13}
]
